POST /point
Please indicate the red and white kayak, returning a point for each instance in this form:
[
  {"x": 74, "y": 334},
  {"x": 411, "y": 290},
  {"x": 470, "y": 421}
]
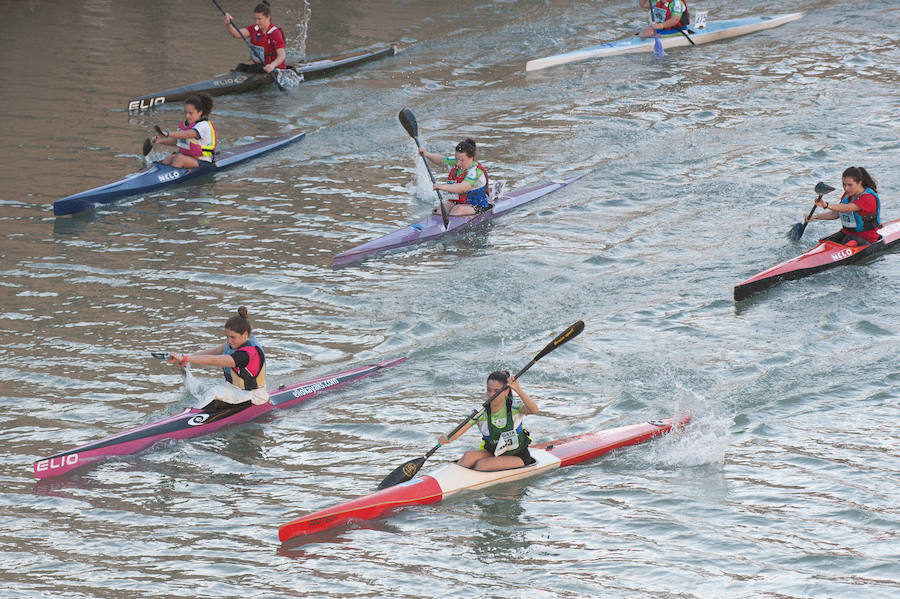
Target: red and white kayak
[
  {"x": 452, "y": 478},
  {"x": 826, "y": 254}
]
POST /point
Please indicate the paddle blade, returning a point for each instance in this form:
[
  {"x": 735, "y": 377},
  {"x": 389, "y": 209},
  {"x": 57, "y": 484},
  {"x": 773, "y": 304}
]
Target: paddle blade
[
  {"x": 408, "y": 120},
  {"x": 797, "y": 231},
  {"x": 657, "y": 45},
  {"x": 159, "y": 131},
  {"x": 822, "y": 188},
  {"x": 570, "y": 333},
  {"x": 148, "y": 145},
  {"x": 403, "y": 473},
  {"x": 159, "y": 355}
]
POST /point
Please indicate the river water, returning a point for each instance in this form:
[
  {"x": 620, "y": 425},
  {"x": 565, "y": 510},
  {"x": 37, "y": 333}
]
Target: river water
[{"x": 696, "y": 165}]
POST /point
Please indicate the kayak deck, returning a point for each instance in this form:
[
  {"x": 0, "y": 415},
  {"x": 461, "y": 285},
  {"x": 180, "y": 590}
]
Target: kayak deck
[
  {"x": 432, "y": 226},
  {"x": 159, "y": 175},
  {"x": 451, "y": 478},
  {"x": 825, "y": 255},
  {"x": 713, "y": 31},
  {"x": 238, "y": 81},
  {"x": 194, "y": 422}
]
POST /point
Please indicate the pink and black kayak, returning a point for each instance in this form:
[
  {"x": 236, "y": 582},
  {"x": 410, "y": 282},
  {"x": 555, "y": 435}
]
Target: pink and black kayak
[
  {"x": 432, "y": 227},
  {"x": 194, "y": 422},
  {"x": 826, "y": 254},
  {"x": 451, "y": 478}
]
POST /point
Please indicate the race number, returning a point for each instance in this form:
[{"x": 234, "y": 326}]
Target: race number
[{"x": 508, "y": 440}]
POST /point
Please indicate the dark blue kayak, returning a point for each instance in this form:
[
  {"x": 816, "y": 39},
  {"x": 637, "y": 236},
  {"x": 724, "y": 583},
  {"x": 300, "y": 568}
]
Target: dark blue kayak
[{"x": 158, "y": 175}]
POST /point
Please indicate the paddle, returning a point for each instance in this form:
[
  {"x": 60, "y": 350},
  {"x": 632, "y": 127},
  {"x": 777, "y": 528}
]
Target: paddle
[
  {"x": 255, "y": 51},
  {"x": 160, "y": 355},
  {"x": 798, "y": 228},
  {"x": 657, "y": 45},
  {"x": 409, "y": 469},
  {"x": 408, "y": 120},
  {"x": 148, "y": 144}
]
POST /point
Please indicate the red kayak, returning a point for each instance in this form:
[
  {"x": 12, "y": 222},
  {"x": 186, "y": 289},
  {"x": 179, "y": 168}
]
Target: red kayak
[
  {"x": 827, "y": 254},
  {"x": 452, "y": 478}
]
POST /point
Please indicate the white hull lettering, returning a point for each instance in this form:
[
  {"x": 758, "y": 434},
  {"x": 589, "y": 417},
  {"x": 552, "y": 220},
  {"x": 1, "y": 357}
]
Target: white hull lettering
[
  {"x": 54, "y": 463},
  {"x": 135, "y": 105},
  {"x": 841, "y": 255},
  {"x": 170, "y": 176},
  {"x": 315, "y": 387}
]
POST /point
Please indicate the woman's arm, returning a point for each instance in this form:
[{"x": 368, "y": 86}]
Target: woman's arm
[
  {"x": 443, "y": 440},
  {"x": 435, "y": 159},
  {"x": 232, "y": 28},
  {"x": 461, "y": 187},
  {"x": 530, "y": 406},
  {"x": 280, "y": 56}
]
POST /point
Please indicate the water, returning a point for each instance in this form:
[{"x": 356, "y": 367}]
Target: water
[{"x": 697, "y": 164}]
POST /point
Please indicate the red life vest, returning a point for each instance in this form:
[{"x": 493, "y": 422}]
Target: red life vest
[
  {"x": 269, "y": 41},
  {"x": 666, "y": 5},
  {"x": 476, "y": 197}
]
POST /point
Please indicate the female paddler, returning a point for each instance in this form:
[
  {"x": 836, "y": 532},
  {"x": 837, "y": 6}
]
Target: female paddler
[
  {"x": 241, "y": 358},
  {"x": 859, "y": 209},
  {"x": 263, "y": 35},
  {"x": 666, "y": 16},
  {"x": 196, "y": 136},
  {"x": 467, "y": 178},
  {"x": 504, "y": 440}
]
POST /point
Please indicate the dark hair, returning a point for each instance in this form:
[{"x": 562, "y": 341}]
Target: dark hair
[
  {"x": 202, "y": 102},
  {"x": 500, "y": 376},
  {"x": 240, "y": 323},
  {"x": 467, "y": 147},
  {"x": 263, "y": 8},
  {"x": 860, "y": 175}
]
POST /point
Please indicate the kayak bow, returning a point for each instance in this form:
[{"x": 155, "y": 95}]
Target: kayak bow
[
  {"x": 238, "y": 81},
  {"x": 451, "y": 478},
  {"x": 826, "y": 254},
  {"x": 432, "y": 226},
  {"x": 194, "y": 422},
  {"x": 160, "y": 175},
  {"x": 714, "y": 30}
]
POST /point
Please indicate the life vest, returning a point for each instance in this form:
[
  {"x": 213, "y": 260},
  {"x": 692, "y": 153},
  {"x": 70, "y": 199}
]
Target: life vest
[
  {"x": 854, "y": 221},
  {"x": 475, "y": 197},
  {"x": 268, "y": 42},
  {"x": 244, "y": 378},
  {"x": 193, "y": 147},
  {"x": 662, "y": 12},
  {"x": 509, "y": 438}
]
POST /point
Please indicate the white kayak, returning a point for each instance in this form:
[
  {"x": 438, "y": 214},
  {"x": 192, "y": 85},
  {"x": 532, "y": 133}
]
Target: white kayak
[{"x": 710, "y": 32}]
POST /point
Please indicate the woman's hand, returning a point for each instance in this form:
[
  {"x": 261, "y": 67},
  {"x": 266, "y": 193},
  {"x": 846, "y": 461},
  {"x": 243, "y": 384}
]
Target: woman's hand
[
  {"x": 514, "y": 385},
  {"x": 443, "y": 440},
  {"x": 822, "y": 204}
]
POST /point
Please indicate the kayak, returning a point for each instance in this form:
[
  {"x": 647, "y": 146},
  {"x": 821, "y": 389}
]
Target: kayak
[
  {"x": 160, "y": 175},
  {"x": 712, "y": 31},
  {"x": 194, "y": 422},
  {"x": 826, "y": 254},
  {"x": 432, "y": 227},
  {"x": 238, "y": 81},
  {"x": 451, "y": 478}
]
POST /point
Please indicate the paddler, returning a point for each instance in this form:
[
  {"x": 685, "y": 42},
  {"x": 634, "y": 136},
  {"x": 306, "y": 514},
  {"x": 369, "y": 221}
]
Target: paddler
[
  {"x": 667, "y": 16},
  {"x": 195, "y": 137},
  {"x": 859, "y": 209},
  {"x": 504, "y": 440},
  {"x": 242, "y": 360},
  {"x": 265, "y": 36},
  {"x": 468, "y": 179}
]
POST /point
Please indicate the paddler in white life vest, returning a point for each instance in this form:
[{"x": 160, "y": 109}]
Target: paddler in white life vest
[
  {"x": 196, "y": 136},
  {"x": 859, "y": 209},
  {"x": 266, "y": 38},
  {"x": 242, "y": 360},
  {"x": 666, "y": 16},
  {"x": 504, "y": 440},
  {"x": 468, "y": 179}
]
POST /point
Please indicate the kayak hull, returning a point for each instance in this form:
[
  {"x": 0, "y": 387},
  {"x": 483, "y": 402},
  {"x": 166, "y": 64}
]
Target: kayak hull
[
  {"x": 714, "y": 30},
  {"x": 237, "y": 81},
  {"x": 194, "y": 422},
  {"x": 158, "y": 175},
  {"x": 451, "y": 478},
  {"x": 432, "y": 226},
  {"x": 825, "y": 255}
]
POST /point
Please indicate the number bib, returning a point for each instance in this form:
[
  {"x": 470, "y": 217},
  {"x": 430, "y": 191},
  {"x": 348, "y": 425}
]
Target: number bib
[{"x": 508, "y": 440}]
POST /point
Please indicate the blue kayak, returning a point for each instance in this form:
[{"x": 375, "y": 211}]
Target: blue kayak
[
  {"x": 710, "y": 32},
  {"x": 158, "y": 175}
]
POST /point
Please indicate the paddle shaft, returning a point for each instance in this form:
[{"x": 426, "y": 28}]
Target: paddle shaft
[
  {"x": 238, "y": 29},
  {"x": 411, "y": 125},
  {"x": 806, "y": 220}
]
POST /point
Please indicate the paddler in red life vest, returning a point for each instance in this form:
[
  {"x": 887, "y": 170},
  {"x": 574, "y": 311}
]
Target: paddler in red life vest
[
  {"x": 468, "y": 179},
  {"x": 263, "y": 35},
  {"x": 242, "y": 360},
  {"x": 196, "y": 136},
  {"x": 504, "y": 440},
  {"x": 667, "y": 16},
  {"x": 859, "y": 209}
]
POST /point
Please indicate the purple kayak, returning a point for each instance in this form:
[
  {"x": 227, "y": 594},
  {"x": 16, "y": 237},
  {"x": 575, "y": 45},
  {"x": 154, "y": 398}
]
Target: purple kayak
[
  {"x": 193, "y": 422},
  {"x": 432, "y": 226}
]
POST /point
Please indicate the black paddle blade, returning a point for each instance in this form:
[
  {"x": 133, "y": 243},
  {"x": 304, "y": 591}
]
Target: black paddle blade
[
  {"x": 148, "y": 145},
  {"x": 403, "y": 473},
  {"x": 159, "y": 131},
  {"x": 408, "y": 120},
  {"x": 570, "y": 333},
  {"x": 822, "y": 188},
  {"x": 160, "y": 355},
  {"x": 797, "y": 231}
]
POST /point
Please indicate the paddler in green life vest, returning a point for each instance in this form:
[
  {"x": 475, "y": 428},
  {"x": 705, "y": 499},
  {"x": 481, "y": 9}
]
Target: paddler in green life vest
[
  {"x": 504, "y": 440},
  {"x": 666, "y": 16},
  {"x": 468, "y": 179}
]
